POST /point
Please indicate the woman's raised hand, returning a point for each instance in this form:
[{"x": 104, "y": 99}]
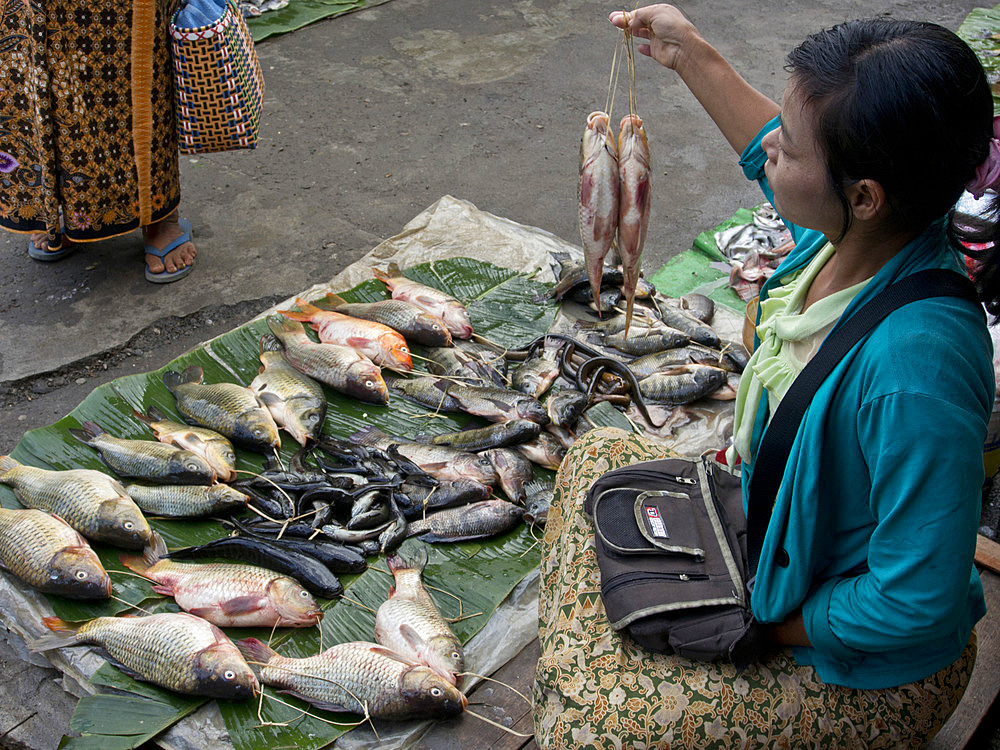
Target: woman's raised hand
[{"x": 666, "y": 28}]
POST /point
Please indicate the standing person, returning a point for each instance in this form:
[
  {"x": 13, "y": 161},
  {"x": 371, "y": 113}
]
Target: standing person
[
  {"x": 88, "y": 131},
  {"x": 866, "y": 589}
]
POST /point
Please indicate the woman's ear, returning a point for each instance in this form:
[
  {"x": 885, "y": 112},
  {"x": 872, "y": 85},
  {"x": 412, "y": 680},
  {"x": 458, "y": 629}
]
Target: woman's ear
[{"x": 867, "y": 199}]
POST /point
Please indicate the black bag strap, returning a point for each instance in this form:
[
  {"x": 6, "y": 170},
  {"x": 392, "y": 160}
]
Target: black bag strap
[{"x": 772, "y": 454}]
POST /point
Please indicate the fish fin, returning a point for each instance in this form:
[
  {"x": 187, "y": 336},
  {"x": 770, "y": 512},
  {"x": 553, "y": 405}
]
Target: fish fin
[
  {"x": 192, "y": 374},
  {"x": 396, "y": 561},
  {"x": 171, "y": 380},
  {"x": 64, "y": 634},
  {"x": 144, "y": 418},
  {"x": 256, "y": 651},
  {"x": 92, "y": 428},
  {"x": 412, "y": 638},
  {"x": 301, "y": 316},
  {"x": 269, "y": 343},
  {"x": 128, "y": 671},
  {"x": 155, "y": 414},
  {"x": 381, "y": 275},
  {"x": 433, "y": 537},
  {"x": 240, "y": 605},
  {"x": 418, "y": 561},
  {"x": 162, "y": 588},
  {"x": 336, "y": 708},
  {"x": 280, "y": 324},
  {"x": 425, "y": 299},
  {"x": 356, "y": 341},
  {"x": 367, "y": 435},
  {"x": 80, "y": 435},
  {"x": 268, "y": 399},
  {"x": 390, "y": 654},
  {"x": 335, "y": 300},
  {"x": 435, "y": 466},
  {"x": 155, "y": 550},
  {"x": 7, "y": 463}
]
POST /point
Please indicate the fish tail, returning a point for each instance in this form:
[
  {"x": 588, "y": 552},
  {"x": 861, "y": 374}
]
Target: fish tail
[
  {"x": 92, "y": 429},
  {"x": 154, "y": 550},
  {"x": 335, "y": 300},
  {"x": 255, "y": 651},
  {"x": 381, "y": 275},
  {"x": 303, "y": 315},
  {"x": 367, "y": 435},
  {"x": 280, "y": 324},
  {"x": 144, "y": 418},
  {"x": 628, "y": 313},
  {"x": 171, "y": 380},
  {"x": 64, "y": 635},
  {"x": 7, "y": 463}
]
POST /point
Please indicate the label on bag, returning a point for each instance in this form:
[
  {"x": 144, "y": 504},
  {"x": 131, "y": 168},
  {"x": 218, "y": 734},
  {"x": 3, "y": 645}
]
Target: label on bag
[{"x": 655, "y": 522}]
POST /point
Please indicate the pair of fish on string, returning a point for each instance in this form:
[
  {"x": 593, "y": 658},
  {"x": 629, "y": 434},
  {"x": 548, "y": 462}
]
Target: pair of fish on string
[{"x": 614, "y": 191}]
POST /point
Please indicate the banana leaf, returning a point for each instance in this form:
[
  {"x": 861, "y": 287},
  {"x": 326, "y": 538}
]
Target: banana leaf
[
  {"x": 981, "y": 31},
  {"x": 299, "y": 13},
  {"x": 477, "y": 576}
]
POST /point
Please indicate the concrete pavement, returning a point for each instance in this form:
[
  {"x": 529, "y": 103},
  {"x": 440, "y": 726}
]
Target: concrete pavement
[{"x": 369, "y": 118}]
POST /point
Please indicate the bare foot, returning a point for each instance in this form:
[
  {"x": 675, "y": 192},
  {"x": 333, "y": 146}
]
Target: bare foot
[
  {"x": 161, "y": 234},
  {"x": 41, "y": 241}
]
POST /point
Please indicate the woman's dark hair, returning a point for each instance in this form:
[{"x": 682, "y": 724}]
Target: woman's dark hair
[{"x": 907, "y": 104}]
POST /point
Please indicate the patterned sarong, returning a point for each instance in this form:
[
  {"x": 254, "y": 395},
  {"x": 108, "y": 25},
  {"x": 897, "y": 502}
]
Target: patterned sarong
[
  {"x": 597, "y": 689},
  {"x": 88, "y": 137}
]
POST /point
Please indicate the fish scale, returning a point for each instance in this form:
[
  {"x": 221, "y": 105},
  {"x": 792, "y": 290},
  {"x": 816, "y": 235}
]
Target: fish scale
[
  {"x": 410, "y": 623},
  {"x": 146, "y": 459},
  {"x": 228, "y": 408},
  {"x": 91, "y": 502},
  {"x": 45, "y": 552},
  {"x": 296, "y": 401},
  {"x": 355, "y": 675},
  {"x": 177, "y": 651},
  {"x": 209, "y": 444}
]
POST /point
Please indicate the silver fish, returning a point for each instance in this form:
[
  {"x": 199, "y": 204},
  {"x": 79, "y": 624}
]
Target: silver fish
[
  {"x": 91, "y": 502},
  {"x": 296, "y": 402},
  {"x": 439, "y": 461},
  {"x": 477, "y": 521},
  {"x": 359, "y": 677},
  {"x": 209, "y": 444},
  {"x": 185, "y": 500},
  {"x": 146, "y": 459},
  {"x": 410, "y": 623},
  {"x": 683, "y": 384},
  {"x": 228, "y": 408}
]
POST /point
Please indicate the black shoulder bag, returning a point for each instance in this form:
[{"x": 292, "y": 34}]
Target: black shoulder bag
[{"x": 674, "y": 548}]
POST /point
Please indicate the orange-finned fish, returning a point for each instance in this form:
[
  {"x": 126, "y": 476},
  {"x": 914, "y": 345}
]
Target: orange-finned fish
[
  {"x": 436, "y": 302},
  {"x": 381, "y": 344},
  {"x": 633, "y": 203},
  {"x": 598, "y": 210},
  {"x": 226, "y": 594}
]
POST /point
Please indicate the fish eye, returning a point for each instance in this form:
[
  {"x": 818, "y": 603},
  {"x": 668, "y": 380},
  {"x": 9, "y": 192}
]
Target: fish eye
[
  {"x": 455, "y": 655},
  {"x": 229, "y": 675},
  {"x": 404, "y": 350},
  {"x": 304, "y": 594},
  {"x": 128, "y": 525},
  {"x": 436, "y": 692},
  {"x": 81, "y": 575},
  {"x": 193, "y": 465},
  {"x": 259, "y": 432},
  {"x": 229, "y": 456},
  {"x": 370, "y": 383}
]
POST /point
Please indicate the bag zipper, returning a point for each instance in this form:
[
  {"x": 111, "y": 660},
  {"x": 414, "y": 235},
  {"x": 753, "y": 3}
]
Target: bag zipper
[
  {"x": 626, "y": 578},
  {"x": 715, "y": 513}
]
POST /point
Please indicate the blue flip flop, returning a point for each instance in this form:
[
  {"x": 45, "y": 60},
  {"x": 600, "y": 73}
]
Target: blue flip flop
[
  {"x": 165, "y": 277},
  {"x": 47, "y": 256}
]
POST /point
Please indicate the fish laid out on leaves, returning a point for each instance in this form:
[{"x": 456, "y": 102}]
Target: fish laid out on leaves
[
  {"x": 314, "y": 575},
  {"x": 545, "y": 450},
  {"x": 496, "y": 435},
  {"x": 477, "y": 521},
  {"x": 497, "y": 404},
  {"x": 417, "y": 326},
  {"x": 436, "y": 302},
  {"x": 228, "y": 408},
  {"x": 185, "y": 500},
  {"x": 209, "y": 444},
  {"x": 426, "y": 390},
  {"x": 146, "y": 459},
  {"x": 439, "y": 461},
  {"x": 227, "y": 594},
  {"x": 48, "y": 554},
  {"x": 90, "y": 501},
  {"x": 513, "y": 471},
  {"x": 339, "y": 367},
  {"x": 381, "y": 344},
  {"x": 634, "y": 194},
  {"x": 358, "y": 677},
  {"x": 176, "y": 651},
  {"x": 409, "y": 622},
  {"x": 538, "y": 372},
  {"x": 682, "y": 384},
  {"x": 295, "y": 401},
  {"x": 599, "y": 188}
]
